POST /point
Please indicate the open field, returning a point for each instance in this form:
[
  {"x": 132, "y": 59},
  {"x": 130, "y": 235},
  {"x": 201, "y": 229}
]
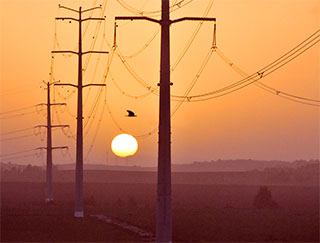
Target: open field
[
  {"x": 200, "y": 213},
  {"x": 278, "y": 177},
  {"x": 40, "y": 223}
]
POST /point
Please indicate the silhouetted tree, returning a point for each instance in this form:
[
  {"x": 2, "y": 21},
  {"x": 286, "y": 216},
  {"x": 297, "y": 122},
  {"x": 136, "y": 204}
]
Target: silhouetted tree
[
  {"x": 264, "y": 199},
  {"x": 32, "y": 169}
]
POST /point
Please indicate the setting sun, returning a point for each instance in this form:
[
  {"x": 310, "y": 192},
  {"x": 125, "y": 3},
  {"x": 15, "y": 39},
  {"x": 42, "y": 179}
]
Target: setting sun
[{"x": 124, "y": 145}]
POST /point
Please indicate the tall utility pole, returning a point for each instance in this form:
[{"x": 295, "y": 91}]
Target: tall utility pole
[
  {"x": 49, "y": 148},
  {"x": 79, "y": 144},
  {"x": 164, "y": 216}
]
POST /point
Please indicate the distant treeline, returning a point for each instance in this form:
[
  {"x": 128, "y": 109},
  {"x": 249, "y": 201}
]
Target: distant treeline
[
  {"x": 298, "y": 173},
  {"x": 241, "y": 165}
]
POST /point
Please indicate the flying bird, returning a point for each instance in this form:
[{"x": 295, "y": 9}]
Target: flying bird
[{"x": 131, "y": 114}]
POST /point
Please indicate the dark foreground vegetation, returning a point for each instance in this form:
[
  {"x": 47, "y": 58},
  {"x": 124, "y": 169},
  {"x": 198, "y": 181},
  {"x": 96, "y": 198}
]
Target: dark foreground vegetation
[
  {"x": 201, "y": 213},
  {"x": 33, "y": 222}
]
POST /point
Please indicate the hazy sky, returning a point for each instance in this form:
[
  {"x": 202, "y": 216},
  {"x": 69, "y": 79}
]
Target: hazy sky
[{"x": 249, "y": 123}]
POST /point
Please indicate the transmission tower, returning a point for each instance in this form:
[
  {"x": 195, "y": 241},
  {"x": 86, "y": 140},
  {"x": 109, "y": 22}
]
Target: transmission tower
[
  {"x": 79, "y": 143},
  {"x": 164, "y": 216},
  {"x": 49, "y": 148}
]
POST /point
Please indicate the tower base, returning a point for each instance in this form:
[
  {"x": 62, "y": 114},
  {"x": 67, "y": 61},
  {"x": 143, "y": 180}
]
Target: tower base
[
  {"x": 78, "y": 214},
  {"x": 49, "y": 201}
]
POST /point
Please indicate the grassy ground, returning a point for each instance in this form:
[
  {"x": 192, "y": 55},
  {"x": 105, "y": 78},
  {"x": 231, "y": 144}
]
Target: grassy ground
[
  {"x": 40, "y": 223},
  {"x": 229, "y": 218},
  {"x": 207, "y": 224}
]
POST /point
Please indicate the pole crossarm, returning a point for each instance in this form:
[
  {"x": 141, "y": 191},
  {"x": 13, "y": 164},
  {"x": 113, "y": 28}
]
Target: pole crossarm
[
  {"x": 60, "y": 126},
  {"x": 192, "y": 19},
  {"x": 137, "y": 18},
  {"x": 83, "y": 86},
  {"x": 53, "y": 82},
  {"x": 73, "y": 85},
  {"x": 159, "y": 21},
  {"x": 73, "y": 52},
  {"x": 92, "y": 19},
  {"x": 41, "y": 104},
  {"x": 40, "y": 126},
  {"x": 59, "y": 147},
  {"x": 52, "y": 126},
  {"x": 103, "y": 52},
  {"x": 71, "y": 9},
  {"x": 77, "y": 11},
  {"x": 77, "y": 53},
  {"x": 86, "y": 85},
  {"x": 66, "y": 18},
  {"x": 59, "y": 104},
  {"x": 92, "y": 9},
  {"x": 40, "y": 148}
]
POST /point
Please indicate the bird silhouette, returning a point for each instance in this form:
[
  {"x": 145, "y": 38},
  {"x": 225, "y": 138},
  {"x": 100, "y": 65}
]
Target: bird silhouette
[{"x": 131, "y": 114}]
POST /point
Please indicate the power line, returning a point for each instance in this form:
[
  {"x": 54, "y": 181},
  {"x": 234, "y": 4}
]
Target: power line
[
  {"x": 116, "y": 123},
  {"x": 280, "y": 93},
  {"x": 257, "y": 75},
  {"x": 134, "y": 74},
  {"x": 125, "y": 93},
  {"x": 17, "y": 137},
  {"x": 87, "y": 60},
  {"x": 16, "y": 131},
  {"x": 254, "y": 76},
  {"x": 93, "y": 43},
  {"x": 180, "y": 101},
  {"x": 186, "y": 48},
  {"x": 20, "y": 109},
  {"x": 178, "y": 4},
  {"x": 289, "y": 53},
  {"x": 94, "y": 74},
  {"x": 140, "y": 50},
  {"x": 193, "y": 36},
  {"x": 17, "y": 115},
  {"x": 21, "y": 157},
  {"x": 187, "y": 98},
  {"x": 96, "y": 131},
  {"x": 19, "y": 152},
  {"x": 97, "y": 98},
  {"x": 94, "y": 40},
  {"x": 22, "y": 136},
  {"x": 194, "y": 81},
  {"x": 70, "y": 135},
  {"x": 273, "y": 66},
  {"x": 103, "y": 81}
]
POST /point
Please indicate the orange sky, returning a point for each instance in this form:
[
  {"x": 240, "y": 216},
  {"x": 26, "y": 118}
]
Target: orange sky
[{"x": 249, "y": 123}]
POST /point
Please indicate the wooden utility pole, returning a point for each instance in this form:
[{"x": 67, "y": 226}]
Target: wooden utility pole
[
  {"x": 49, "y": 148},
  {"x": 164, "y": 216},
  {"x": 79, "y": 144}
]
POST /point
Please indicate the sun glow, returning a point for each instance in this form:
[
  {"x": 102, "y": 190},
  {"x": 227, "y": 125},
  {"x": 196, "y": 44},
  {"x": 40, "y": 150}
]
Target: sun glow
[{"x": 124, "y": 145}]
